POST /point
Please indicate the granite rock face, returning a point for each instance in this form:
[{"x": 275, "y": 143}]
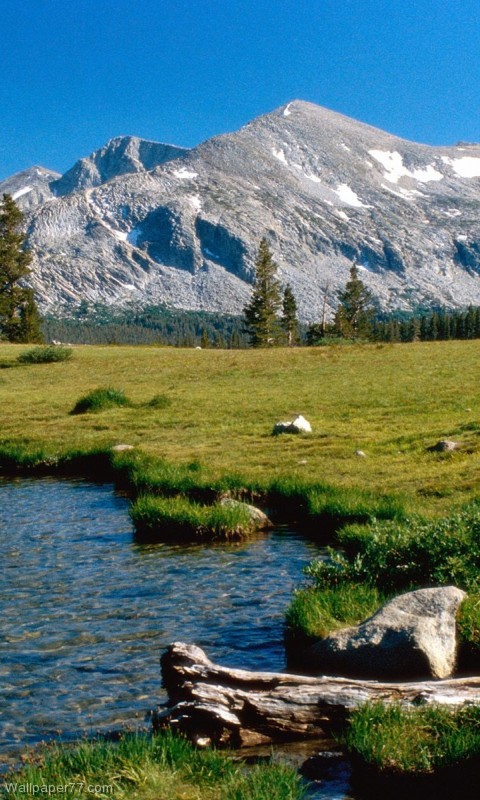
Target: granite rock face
[
  {"x": 411, "y": 636},
  {"x": 151, "y": 223}
]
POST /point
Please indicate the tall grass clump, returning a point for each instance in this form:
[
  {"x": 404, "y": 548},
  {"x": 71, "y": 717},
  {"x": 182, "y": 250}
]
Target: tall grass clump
[
  {"x": 319, "y": 612},
  {"x": 178, "y": 518},
  {"x": 45, "y": 355},
  {"x": 330, "y": 507},
  {"x": 100, "y": 400},
  {"x": 160, "y": 401},
  {"x": 400, "y": 741},
  {"x": 164, "y": 766}
]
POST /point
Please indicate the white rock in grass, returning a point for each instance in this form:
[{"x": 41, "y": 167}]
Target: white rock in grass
[{"x": 298, "y": 425}]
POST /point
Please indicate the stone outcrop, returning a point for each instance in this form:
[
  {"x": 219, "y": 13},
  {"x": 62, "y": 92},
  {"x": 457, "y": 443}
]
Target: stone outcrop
[
  {"x": 444, "y": 446},
  {"x": 411, "y": 636}
]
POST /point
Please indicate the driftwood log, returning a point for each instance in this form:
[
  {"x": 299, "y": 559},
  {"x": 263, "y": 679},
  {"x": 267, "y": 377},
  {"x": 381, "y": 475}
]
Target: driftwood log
[{"x": 215, "y": 705}]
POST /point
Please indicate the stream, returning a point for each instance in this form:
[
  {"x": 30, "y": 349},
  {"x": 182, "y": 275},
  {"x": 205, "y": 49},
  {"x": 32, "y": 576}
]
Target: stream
[{"x": 86, "y": 612}]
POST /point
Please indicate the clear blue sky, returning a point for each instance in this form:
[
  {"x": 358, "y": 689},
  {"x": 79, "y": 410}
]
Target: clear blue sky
[{"x": 75, "y": 73}]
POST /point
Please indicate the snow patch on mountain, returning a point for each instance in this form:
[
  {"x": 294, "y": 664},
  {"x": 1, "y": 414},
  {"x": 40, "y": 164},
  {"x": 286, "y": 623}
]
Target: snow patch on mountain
[
  {"x": 465, "y": 167},
  {"x": 184, "y": 174},
  {"x": 395, "y": 168},
  {"x": 280, "y": 155},
  {"x": 349, "y": 197},
  {"x": 196, "y": 202},
  {"x": 21, "y": 192}
]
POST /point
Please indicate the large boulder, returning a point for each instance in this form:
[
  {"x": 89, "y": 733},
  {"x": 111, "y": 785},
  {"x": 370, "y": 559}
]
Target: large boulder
[{"x": 412, "y": 636}]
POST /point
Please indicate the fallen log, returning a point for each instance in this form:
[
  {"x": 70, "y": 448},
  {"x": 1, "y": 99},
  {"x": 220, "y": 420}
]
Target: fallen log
[{"x": 211, "y": 704}]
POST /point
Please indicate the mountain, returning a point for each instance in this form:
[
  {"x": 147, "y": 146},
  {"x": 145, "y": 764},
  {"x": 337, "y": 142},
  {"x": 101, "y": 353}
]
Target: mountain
[
  {"x": 122, "y": 155},
  {"x": 30, "y": 187},
  {"x": 150, "y": 223}
]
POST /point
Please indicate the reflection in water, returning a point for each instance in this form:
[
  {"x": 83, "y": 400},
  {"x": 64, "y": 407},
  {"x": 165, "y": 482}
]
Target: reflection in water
[{"x": 86, "y": 613}]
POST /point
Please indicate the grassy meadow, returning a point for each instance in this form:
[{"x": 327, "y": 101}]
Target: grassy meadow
[
  {"x": 219, "y": 407},
  {"x": 202, "y": 422}
]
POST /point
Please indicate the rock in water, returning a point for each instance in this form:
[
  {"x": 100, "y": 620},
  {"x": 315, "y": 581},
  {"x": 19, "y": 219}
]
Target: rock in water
[{"x": 411, "y": 636}]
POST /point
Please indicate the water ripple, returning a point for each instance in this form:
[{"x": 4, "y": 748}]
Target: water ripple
[{"x": 85, "y": 612}]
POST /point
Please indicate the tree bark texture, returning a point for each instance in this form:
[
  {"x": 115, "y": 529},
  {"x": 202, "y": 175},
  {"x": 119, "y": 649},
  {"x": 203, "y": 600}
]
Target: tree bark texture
[{"x": 211, "y": 704}]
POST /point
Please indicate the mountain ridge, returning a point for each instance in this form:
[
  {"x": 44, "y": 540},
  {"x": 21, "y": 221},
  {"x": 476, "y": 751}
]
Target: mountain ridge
[{"x": 181, "y": 226}]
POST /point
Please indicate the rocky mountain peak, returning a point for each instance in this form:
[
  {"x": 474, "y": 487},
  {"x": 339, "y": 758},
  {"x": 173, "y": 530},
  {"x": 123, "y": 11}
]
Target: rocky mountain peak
[
  {"x": 150, "y": 222},
  {"x": 120, "y": 156}
]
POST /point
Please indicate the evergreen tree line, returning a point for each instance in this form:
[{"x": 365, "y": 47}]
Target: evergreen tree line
[
  {"x": 429, "y": 326},
  {"x": 269, "y": 318},
  {"x": 95, "y": 323}
]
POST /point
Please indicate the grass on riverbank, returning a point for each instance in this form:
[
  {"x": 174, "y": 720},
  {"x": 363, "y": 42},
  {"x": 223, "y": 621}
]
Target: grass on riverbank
[
  {"x": 390, "y": 401},
  {"x": 179, "y": 519},
  {"x": 141, "y": 767},
  {"x": 398, "y": 741},
  {"x": 386, "y": 558}
]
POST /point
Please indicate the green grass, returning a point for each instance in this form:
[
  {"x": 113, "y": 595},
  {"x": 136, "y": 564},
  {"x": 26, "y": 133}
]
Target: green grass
[
  {"x": 392, "y": 402},
  {"x": 178, "y": 519},
  {"x": 318, "y": 613},
  {"x": 400, "y": 741},
  {"x": 164, "y": 767}
]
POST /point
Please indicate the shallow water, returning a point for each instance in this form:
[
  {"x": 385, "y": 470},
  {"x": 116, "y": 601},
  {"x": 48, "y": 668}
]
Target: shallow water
[{"x": 85, "y": 613}]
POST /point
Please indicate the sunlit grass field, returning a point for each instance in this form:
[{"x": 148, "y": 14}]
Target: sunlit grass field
[{"x": 390, "y": 401}]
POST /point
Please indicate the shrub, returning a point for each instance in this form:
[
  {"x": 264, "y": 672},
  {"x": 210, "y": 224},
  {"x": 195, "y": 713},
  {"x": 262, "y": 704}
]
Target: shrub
[
  {"x": 99, "y": 400},
  {"x": 398, "y": 556},
  {"x": 45, "y": 355}
]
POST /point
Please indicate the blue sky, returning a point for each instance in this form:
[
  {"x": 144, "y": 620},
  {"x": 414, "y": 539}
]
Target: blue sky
[{"x": 75, "y": 73}]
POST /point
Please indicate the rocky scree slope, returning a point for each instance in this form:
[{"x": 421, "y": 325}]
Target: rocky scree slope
[{"x": 151, "y": 223}]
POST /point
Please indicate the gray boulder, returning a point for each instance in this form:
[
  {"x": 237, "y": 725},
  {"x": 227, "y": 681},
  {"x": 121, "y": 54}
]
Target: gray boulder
[
  {"x": 410, "y": 637},
  {"x": 258, "y": 520}
]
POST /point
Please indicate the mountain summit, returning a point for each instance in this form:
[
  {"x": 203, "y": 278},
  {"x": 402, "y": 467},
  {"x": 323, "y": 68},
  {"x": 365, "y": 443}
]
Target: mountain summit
[{"x": 154, "y": 223}]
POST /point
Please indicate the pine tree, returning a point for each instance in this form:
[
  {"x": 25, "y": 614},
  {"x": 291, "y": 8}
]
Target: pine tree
[
  {"x": 19, "y": 318},
  {"x": 289, "y": 321},
  {"x": 261, "y": 313},
  {"x": 355, "y": 312}
]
